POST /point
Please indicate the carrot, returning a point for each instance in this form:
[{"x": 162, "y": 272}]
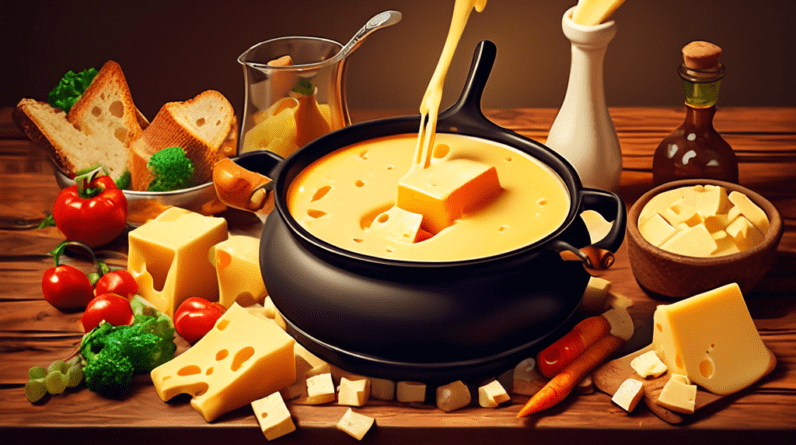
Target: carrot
[
  {"x": 557, "y": 356},
  {"x": 562, "y": 384}
]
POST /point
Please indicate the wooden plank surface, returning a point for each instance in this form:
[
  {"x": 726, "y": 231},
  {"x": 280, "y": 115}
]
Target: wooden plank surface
[{"x": 32, "y": 332}]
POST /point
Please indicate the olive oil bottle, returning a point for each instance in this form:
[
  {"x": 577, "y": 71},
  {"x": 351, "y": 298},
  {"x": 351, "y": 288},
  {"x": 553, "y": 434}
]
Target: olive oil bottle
[{"x": 695, "y": 149}]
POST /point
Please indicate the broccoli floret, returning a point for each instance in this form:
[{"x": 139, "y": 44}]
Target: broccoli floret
[
  {"x": 126, "y": 350},
  {"x": 109, "y": 373},
  {"x": 70, "y": 88},
  {"x": 172, "y": 170},
  {"x": 124, "y": 181}
]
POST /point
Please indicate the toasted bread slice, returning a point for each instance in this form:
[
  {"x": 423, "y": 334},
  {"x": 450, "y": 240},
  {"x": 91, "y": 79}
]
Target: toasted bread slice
[
  {"x": 199, "y": 125},
  {"x": 98, "y": 129}
]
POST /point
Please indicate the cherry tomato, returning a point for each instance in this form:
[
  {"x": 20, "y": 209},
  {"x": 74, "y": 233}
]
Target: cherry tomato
[
  {"x": 112, "y": 308},
  {"x": 195, "y": 317},
  {"x": 119, "y": 282},
  {"x": 66, "y": 287}
]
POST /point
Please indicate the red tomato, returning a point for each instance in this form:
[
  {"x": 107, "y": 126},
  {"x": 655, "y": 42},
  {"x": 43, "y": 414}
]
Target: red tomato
[
  {"x": 196, "y": 317},
  {"x": 66, "y": 287},
  {"x": 112, "y": 308},
  {"x": 94, "y": 215},
  {"x": 119, "y": 282}
]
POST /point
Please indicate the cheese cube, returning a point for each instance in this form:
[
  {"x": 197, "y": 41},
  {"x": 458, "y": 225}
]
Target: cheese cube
[
  {"x": 398, "y": 225},
  {"x": 681, "y": 378},
  {"x": 445, "y": 191},
  {"x": 382, "y": 389},
  {"x": 678, "y": 396},
  {"x": 596, "y": 293},
  {"x": 237, "y": 264},
  {"x": 410, "y": 392},
  {"x": 744, "y": 206},
  {"x": 715, "y": 223},
  {"x": 320, "y": 389},
  {"x": 659, "y": 203},
  {"x": 681, "y": 213},
  {"x": 527, "y": 380},
  {"x": 243, "y": 358},
  {"x": 492, "y": 394},
  {"x": 744, "y": 233},
  {"x": 353, "y": 392},
  {"x": 268, "y": 311},
  {"x": 656, "y": 230},
  {"x": 629, "y": 394},
  {"x": 694, "y": 241},
  {"x": 707, "y": 201},
  {"x": 712, "y": 339},
  {"x": 725, "y": 244},
  {"x": 453, "y": 396},
  {"x": 354, "y": 424},
  {"x": 273, "y": 416},
  {"x": 648, "y": 365},
  {"x": 168, "y": 257},
  {"x": 304, "y": 363}
]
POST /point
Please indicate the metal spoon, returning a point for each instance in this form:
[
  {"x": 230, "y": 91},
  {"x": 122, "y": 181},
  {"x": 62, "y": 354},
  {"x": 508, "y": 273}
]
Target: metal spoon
[{"x": 380, "y": 20}]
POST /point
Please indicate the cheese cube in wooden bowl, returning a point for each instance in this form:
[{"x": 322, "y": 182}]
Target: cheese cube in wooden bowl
[{"x": 686, "y": 237}]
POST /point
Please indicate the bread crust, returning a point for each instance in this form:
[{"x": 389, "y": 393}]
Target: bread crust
[{"x": 27, "y": 122}]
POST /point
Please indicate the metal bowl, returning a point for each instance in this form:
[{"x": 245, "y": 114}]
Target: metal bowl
[{"x": 143, "y": 206}]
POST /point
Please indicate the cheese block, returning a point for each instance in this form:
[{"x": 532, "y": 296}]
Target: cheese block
[
  {"x": 237, "y": 264},
  {"x": 707, "y": 200},
  {"x": 711, "y": 338},
  {"x": 444, "y": 191},
  {"x": 629, "y": 394},
  {"x": 399, "y": 225},
  {"x": 678, "y": 396},
  {"x": 320, "y": 389},
  {"x": 648, "y": 365},
  {"x": 408, "y": 392},
  {"x": 242, "y": 359},
  {"x": 656, "y": 230},
  {"x": 273, "y": 416},
  {"x": 453, "y": 396},
  {"x": 354, "y": 424},
  {"x": 692, "y": 241},
  {"x": 681, "y": 212},
  {"x": 382, "y": 389},
  {"x": 492, "y": 394},
  {"x": 353, "y": 392},
  {"x": 168, "y": 257},
  {"x": 744, "y": 206},
  {"x": 745, "y": 234},
  {"x": 660, "y": 202}
]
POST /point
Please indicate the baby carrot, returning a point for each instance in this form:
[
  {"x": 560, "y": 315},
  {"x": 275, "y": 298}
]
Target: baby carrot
[
  {"x": 557, "y": 356},
  {"x": 562, "y": 384}
]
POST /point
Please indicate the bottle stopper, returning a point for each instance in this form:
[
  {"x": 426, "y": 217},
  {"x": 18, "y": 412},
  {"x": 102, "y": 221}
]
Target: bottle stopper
[{"x": 701, "y": 55}]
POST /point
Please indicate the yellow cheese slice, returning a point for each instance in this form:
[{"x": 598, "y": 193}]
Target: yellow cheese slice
[
  {"x": 711, "y": 338},
  {"x": 453, "y": 396},
  {"x": 444, "y": 191},
  {"x": 693, "y": 241},
  {"x": 273, "y": 416},
  {"x": 242, "y": 359},
  {"x": 168, "y": 257},
  {"x": 237, "y": 264}
]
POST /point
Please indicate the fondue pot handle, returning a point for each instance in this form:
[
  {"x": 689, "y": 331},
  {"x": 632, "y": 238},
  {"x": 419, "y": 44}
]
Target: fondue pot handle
[
  {"x": 599, "y": 255},
  {"x": 242, "y": 182}
]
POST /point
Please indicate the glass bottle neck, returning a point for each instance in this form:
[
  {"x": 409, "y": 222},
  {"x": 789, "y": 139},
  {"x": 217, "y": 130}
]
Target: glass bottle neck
[{"x": 701, "y": 87}]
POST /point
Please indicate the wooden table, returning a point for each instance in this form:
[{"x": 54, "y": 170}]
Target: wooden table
[{"x": 34, "y": 333}]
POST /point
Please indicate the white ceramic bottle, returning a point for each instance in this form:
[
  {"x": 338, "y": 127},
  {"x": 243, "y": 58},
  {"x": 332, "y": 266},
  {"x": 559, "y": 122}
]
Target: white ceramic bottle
[{"x": 583, "y": 131}]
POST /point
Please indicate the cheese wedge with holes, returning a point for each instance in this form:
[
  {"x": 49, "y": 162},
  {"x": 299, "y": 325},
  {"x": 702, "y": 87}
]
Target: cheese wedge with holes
[
  {"x": 237, "y": 264},
  {"x": 273, "y": 416},
  {"x": 711, "y": 338},
  {"x": 168, "y": 257},
  {"x": 242, "y": 359},
  {"x": 444, "y": 191}
]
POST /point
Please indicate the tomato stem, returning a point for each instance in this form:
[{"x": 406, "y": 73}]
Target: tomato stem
[{"x": 101, "y": 267}]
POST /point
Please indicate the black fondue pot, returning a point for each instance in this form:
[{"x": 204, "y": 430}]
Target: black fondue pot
[{"x": 428, "y": 321}]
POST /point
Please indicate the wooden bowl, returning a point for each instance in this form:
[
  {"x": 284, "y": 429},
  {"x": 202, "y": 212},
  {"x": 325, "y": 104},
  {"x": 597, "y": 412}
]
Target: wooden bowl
[{"x": 665, "y": 274}]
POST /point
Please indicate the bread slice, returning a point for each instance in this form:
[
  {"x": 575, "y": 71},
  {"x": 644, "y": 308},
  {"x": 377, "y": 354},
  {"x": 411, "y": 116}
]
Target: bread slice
[
  {"x": 98, "y": 129},
  {"x": 199, "y": 125}
]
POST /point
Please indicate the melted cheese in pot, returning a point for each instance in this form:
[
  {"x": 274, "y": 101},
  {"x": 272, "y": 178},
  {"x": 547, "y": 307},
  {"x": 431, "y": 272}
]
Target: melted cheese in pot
[{"x": 338, "y": 197}]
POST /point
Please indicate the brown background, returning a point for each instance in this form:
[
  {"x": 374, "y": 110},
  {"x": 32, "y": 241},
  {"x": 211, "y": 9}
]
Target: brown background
[{"x": 173, "y": 50}]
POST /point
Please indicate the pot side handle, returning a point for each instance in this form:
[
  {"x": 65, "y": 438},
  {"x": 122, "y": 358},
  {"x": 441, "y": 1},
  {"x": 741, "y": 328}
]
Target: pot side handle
[
  {"x": 599, "y": 255},
  {"x": 241, "y": 188}
]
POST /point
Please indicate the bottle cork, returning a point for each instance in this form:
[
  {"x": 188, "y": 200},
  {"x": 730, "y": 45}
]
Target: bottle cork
[{"x": 701, "y": 55}]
